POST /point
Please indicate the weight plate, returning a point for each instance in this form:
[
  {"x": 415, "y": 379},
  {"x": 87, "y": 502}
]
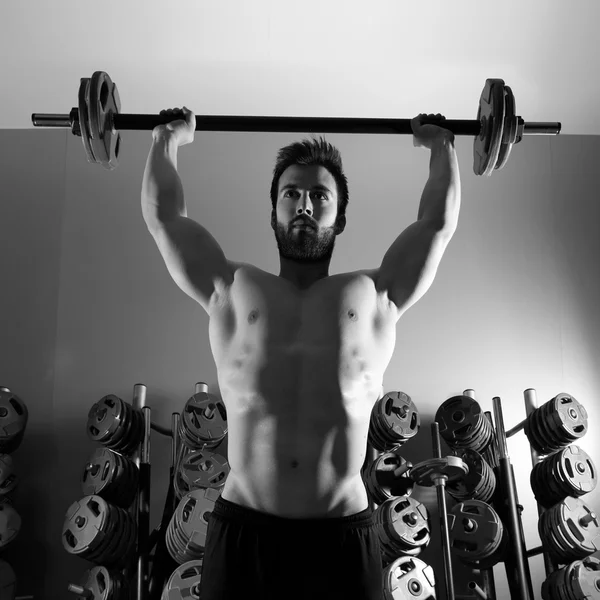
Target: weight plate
[
  {"x": 184, "y": 583},
  {"x": 103, "y": 103},
  {"x": 564, "y": 530},
  {"x": 511, "y": 125},
  {"x": 394, "y": 420},
  {"x": 577, "y": 471},
  {"x": 490, "y": 113},
  {"x": 570, "y": 417},
  {"x": 10, "y": 524},
  {"x": 409, "y": 578},
  {"x": 98, "y": 531},
  {"x": 388, "y": 476},
  {"x": 406, "y": 522},
  {"x": 203, "y": 421},
  {"x": 13, "y": 421},
  {"x": 8, "y": 478},
  {"x": 84, "y": 120},
  {"x": 204, "y": 469},
  {"x": 105, "y": 417},
  {"x": 479, "y": 483},
  {"x": 424, "y": 473},
  {"x": 556, "y": 424},
  {"x": 463, "y": 424},
  {"x": 584, "y": 579},
  {"x": 186, "y": 534},
  {"x": 8, "y": 581},
  {"x": 476, "y": 531},
  {"x": 94, "y": 93},
  {"x": 568, "y": 472},
  {"x": 104, "y": 584}
]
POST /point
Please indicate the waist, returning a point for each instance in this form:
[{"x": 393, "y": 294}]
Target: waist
[
  {"x": 241, "y": 514},
  {"x": 305, "y": 496}
]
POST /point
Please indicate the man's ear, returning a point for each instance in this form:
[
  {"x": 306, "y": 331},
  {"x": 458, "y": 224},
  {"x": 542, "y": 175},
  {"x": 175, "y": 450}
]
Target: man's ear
[
  {"x": 273, "y": 220},
  {"x": 340, "y": 224}
]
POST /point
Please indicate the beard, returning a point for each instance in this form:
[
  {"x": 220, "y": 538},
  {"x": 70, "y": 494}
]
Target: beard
[{"x": 305, "y": 246}]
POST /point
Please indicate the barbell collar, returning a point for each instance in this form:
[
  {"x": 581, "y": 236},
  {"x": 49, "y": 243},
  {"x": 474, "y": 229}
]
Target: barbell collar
[{"x": 136, "y": 122}]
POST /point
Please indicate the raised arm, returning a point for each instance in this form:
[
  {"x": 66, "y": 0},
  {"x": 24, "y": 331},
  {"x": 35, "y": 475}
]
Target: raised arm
[
  {"x": 410, "y": 265},
  {"x": 192, "y": 256}
]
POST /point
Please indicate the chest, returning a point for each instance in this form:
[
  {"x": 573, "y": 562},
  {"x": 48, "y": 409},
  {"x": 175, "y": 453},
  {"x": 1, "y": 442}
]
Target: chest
[{"x": 336, "y": 311}]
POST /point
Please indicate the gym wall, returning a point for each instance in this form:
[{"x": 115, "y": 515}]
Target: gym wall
[{"x": 88, "y": 307}]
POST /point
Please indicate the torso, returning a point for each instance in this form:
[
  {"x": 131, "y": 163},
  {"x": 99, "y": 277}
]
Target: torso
[{"x": 299, "y": 373}]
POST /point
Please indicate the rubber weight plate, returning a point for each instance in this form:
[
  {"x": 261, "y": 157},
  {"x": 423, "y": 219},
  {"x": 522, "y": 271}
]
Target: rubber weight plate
[
  {"x": 578, "y": 581},
  {"x": 408, "y": 578},
  {"x": 512, "y": 126},
  {"x": 476, "y": 533},
  {"x": 556, "y": 424},
  {"x": 486, "y": 147},
  {"x": 13, "y": 421},
  {"x": 402, "y": 526},
  {"x": 425, "y": 473},
  {"x": 201, "y": 469},
  {"x": 570, "y": 530},
  {"x": 104, "y": 584},
  {"x": 10, "y": 525},
  {"x": 394, "y": 420},
  {"x": 185, "y": 537},
  {"x": 388, "y": 476},
  {"x": 111, "y": 476},
  {"x": 84, "y": 119},
  {"x": 479, "y": 483},
  {"x": 463, "y": 424},
  {"x": 184, "y": 583},
  {"x": 8, "y": 478},
  {"x": 203, "y": 422},
  {"x": 584, "y": 579},
  {"x": 568, "y": 472},
  {"x": 103, "y": 103},
  {"x": 98, "y": 531},
  {"x": 115, "y": 424},
  {"x": 8, "y": 581}
]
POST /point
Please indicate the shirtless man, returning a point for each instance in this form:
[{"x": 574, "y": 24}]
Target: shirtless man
[{"x": 300, "y": 360}]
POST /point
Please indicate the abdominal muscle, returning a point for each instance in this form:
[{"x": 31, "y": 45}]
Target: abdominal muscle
[
  {"x": 296, "y": 446},
  {"x": 299, "y": 378}
]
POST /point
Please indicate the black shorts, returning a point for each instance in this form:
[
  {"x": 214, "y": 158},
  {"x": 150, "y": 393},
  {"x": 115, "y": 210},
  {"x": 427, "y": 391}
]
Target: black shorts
[{"x": 251, "y": 554}]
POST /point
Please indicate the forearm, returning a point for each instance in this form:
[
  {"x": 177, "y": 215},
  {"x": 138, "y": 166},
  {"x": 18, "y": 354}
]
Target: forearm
[
  {"x": 162, "y": 191},
  {"x": 440, "y": 202}
]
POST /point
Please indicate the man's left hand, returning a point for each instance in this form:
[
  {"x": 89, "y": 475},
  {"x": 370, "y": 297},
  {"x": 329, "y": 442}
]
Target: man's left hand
[{"x": 427, "y": 135}]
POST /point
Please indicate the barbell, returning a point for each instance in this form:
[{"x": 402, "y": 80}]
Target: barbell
[{"x": 98, "y": 121}]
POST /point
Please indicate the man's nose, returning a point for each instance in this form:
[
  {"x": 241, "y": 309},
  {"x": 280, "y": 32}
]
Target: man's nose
[{"x": 304, "y": 205}]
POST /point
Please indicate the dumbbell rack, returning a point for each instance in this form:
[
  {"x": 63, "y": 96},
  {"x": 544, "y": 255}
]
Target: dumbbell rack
[{"x": 516, "y": 555}]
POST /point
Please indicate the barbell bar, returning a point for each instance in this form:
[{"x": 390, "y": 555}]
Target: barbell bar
[{"x": 98, "y": 121}]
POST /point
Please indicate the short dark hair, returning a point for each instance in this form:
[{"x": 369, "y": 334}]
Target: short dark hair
[{"x": 312, "y": 152}]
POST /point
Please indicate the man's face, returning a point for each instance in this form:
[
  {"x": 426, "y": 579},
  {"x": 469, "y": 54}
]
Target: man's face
[{"x": 306, "y": 195}]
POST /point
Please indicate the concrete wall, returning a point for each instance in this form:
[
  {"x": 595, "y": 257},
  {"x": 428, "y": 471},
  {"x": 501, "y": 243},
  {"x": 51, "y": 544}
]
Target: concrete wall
[{"x": 88, "y": 307}]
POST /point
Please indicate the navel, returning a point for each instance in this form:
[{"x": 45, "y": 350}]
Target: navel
[{"x": 253, "y": 316}]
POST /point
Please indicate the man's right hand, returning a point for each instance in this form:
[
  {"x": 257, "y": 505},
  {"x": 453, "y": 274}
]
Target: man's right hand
[{"x": 182, "y": 130}]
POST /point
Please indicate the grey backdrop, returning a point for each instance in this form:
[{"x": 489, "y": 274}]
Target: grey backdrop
[{"x": 88, "y": 307}]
